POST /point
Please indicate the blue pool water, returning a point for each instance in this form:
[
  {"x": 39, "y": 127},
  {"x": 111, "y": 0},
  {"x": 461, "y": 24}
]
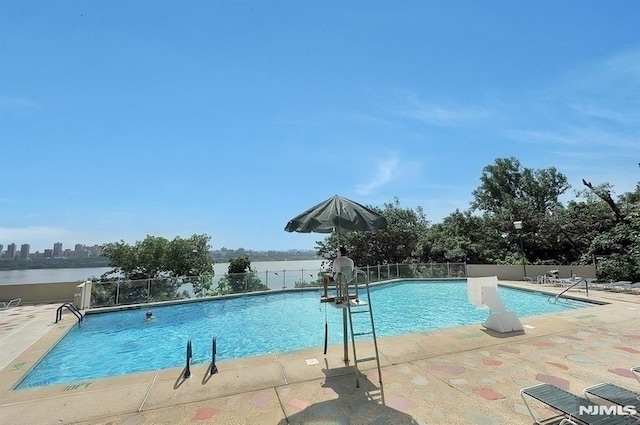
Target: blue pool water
[{"x": 117, "y": 343}]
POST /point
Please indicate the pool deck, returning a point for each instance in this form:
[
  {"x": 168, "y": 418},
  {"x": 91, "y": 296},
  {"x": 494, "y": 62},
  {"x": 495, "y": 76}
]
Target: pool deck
[{"x": 464, "y": 375}]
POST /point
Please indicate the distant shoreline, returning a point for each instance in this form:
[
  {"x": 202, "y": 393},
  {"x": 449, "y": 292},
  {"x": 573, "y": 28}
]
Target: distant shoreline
[{"x": 95, "y": 262}]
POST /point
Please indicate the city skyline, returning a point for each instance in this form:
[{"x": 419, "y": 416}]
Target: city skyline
[{"x": 57, "y": 250}]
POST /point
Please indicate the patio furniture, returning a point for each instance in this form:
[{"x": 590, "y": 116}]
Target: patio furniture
[
  {"x": 608, "y": 286},
  {"x": 8, "y": 304},
  {"x": 631, "y": 287},
  {"x": 622, "y": 286},
  {"x": 613, "y": 394},
  {"x": 568, "y": 404}
]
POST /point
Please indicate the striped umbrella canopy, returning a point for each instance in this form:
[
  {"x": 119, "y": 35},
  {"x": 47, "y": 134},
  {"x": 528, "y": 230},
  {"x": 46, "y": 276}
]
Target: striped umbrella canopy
[{"x": 337, "y": 214}]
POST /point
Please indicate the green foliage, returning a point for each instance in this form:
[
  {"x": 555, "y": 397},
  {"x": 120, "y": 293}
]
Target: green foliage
[
  {"x": 240, "y": 278},
  {"x": 399, "y": 242},
  {"x": 305, "y": 284},
  {"x": 158, "y": 257},
  {"x": 155, "y": 268},
  {"x": 618, "y": 249},
  {"x": 593, "y": 226},
  {"x": 464, "y": 237},
  {"x": 507, "y": 187}
]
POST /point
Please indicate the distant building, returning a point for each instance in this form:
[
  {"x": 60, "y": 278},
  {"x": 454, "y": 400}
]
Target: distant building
[
  {"x": 95, "y": 251},
  {"x": 57, "y": 249},
  {"x": 11, "y": 250},
  {"x": 80, "y": 251},
  {"x": 48, "y": 253},
  {"x": 1, "y": 246},
  {"x": 24, "y": 251}
]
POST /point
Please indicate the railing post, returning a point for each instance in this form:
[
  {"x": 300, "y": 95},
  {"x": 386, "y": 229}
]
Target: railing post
[
  {"x": 284, "y": 283},
  {"x": 187, "y": 370},
  {"x": 214, "y": 368},
  {"x": 117, "y": 293}
]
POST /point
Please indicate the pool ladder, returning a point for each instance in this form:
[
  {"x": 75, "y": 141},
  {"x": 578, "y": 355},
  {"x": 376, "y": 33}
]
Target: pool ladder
[
  {"x": 72, "y": 308},
  {"x": 355, "y": 308}
]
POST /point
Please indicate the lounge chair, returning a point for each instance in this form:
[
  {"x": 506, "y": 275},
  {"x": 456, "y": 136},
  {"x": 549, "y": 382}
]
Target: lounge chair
[
  {"x": 631, "y": 287},
  {"x": 608, "y": 286},
  {"x": 614, "y": 394},
  {"x": 8, "y": 304},
  {"x": 568, "y": 404},
  {"x": 622, "y": 286},
  {"x": 569, "y": 281}
]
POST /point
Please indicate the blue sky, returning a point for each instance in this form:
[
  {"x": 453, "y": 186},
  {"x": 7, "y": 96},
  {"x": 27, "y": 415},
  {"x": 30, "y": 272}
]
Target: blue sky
[{"x": 121, "y": 119}]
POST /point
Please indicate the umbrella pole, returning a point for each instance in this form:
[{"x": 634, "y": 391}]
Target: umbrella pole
[
  {"x": 326, "y": 329},
  {"x": 344, "y": 310},
  {"x": 344, "y": 331}
]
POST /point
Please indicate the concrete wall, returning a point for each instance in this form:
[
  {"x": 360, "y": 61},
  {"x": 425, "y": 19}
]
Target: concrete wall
[
  {"x": 517, "y": 272},
  {"x": 36, "y": 293}
]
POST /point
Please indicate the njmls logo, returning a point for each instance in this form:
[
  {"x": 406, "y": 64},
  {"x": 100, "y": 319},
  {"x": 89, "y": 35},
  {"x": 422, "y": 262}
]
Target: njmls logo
[{"x": 607, "y": 410}]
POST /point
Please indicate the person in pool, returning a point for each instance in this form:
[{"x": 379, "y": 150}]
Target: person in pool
[{"x": 149, "y": 315}]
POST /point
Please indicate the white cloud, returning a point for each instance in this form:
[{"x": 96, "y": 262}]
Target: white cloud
[
  {"x": 16, "y": 103},
  {"x": 577, "y": 136},
  {"x": 590, "y": 110},
  {"x": 439, "y": 114},
  {"x": 386, "y": 170},
  {"x": 625, "y": 63}
]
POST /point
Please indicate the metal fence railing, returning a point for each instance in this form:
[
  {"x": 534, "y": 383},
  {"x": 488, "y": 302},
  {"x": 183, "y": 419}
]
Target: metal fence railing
[{"x": 126, "y": 292}]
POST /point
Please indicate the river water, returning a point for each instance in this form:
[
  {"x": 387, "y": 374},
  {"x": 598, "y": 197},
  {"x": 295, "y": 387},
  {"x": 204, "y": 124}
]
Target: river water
[{"x": 276, "y": 273}]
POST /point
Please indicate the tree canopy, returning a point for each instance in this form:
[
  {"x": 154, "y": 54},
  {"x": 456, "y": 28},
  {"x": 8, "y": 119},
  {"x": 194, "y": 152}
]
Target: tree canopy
[
  {"x": 156, "y": 257},
  {"x": 240, "y": 278},
  {"x": 597, "y": 226}
]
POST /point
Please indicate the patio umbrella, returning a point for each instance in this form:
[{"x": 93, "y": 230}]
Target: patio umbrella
[{"x": 337, "y": 214}]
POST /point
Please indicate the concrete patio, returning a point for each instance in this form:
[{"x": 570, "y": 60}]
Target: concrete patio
[{"x": 464, "y": 375}]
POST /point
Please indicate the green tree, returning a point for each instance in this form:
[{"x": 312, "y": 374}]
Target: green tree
[
  {"x": 240, "y": 278},
  {"x": 400, "y": 242},
  {"x": 510, "y": 192},
  {"x": 507, "y": 187},
  {"x": 464, "y": 237},
  {"x": 157, "y": 257},
  {"x": 616, "y": 243},
  {"x": 169, "y": 264}
]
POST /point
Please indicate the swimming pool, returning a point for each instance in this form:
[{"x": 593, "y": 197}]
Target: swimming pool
[{"x": 123, "y": 342}]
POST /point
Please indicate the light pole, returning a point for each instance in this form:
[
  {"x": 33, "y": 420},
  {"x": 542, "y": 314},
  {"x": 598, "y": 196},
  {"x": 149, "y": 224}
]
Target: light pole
[{"x": 518, "y": 226}]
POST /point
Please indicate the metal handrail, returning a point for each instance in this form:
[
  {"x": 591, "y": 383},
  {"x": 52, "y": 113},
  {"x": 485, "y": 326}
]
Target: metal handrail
[
  {"x": 72, "y": 308},
  {"x": 586, "y": 285}
]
